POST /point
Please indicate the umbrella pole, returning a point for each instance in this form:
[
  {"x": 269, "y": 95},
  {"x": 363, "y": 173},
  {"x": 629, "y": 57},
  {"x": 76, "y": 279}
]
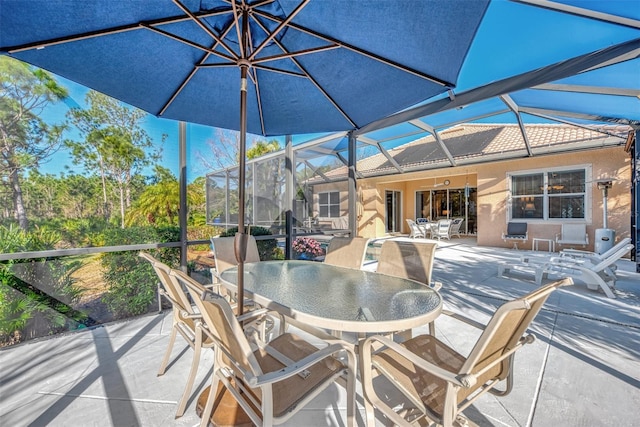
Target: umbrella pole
[{"x": 241, "y": 237}]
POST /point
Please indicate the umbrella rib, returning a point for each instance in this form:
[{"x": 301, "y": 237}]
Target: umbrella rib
[
  {"x": 189, "y": 42},
  {"x": 311, "y": 79},
  {"x": 297, "y": 53},
  {"x": 253, "y": 74},
  {"x": 193, "y": 72},
  {"x": 283, "y": 24},
  {"x": 104, "y": 32},
  {"x": 276, "y": 70},
  {"x": 259, "y": 100},
  {"x": 360, "y": 51},
  {"x": 236, "y": 20},
  {"x": 205, "y": 28}
]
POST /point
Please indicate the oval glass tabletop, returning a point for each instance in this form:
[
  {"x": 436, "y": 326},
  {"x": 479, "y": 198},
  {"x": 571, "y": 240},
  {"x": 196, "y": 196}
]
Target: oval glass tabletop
[{"x": 339, "y": 298}]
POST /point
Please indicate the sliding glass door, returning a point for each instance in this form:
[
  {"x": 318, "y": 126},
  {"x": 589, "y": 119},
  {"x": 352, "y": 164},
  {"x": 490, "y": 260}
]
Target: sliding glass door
[{"x": 393, "y": 211}]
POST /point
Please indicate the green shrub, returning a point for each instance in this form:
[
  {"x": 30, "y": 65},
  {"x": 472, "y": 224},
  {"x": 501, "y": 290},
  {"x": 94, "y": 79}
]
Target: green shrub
[
  {"x": 36, "y": 295},
  {"x": 268, "y": 249},
  {"x": 132, "y": 283}
]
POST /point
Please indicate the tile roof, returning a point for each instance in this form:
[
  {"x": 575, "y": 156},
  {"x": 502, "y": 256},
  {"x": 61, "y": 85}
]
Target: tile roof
[{"x": 476, "y": 143}]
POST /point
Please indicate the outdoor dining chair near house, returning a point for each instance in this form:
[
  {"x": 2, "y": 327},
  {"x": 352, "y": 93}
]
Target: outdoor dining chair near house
[
  {"x": 454, "y": 230},
  {"x": 442, "y": 230},
  {"x": 347, "y": 252},
  {"x": 438, "y": 381},
  {"x": 184, "y": 320},
  {"x": 415, "y": 230},
  {"x": 269, "y": 381},
  {"x": 409, "y": 260}
]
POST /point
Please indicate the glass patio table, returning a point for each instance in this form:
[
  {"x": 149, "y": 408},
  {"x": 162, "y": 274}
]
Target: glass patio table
[{"x": 337, "y": 298}]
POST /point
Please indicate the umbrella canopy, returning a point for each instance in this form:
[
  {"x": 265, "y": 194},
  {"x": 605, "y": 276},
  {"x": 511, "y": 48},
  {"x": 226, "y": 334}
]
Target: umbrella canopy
[
  {"x": 305, "y": 65},
  {"x": 315, "y": 65}
]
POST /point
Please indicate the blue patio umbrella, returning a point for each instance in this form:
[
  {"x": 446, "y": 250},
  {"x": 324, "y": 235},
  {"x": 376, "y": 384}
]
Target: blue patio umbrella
[{"x": 260, "y": 66}]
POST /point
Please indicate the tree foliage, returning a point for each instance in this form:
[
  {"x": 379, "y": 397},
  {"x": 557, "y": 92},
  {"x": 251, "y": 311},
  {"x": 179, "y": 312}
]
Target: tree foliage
[
  {"x": 115, "y": 144},
  {"x": 25, "y": 139}
]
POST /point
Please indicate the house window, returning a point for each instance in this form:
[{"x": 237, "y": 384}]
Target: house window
[
  {"x": 557, "y": 194},
  {"x": 329, "y": 204}
]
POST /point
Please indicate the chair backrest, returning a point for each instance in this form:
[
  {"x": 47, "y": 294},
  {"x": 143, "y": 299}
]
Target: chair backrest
[
  {"x": 515, "y": 229},
  {"x": 455, "y": 225},
  {"x": 221, "y": 325},
  {"x": 173, "y": 291},
  {"x": 612, "y": 258},
  {"x": 444, "y": 225},
  {"x": 505, "y": 328},
  {"x": 224, "y": 253},
  {"x": 414, "y": 228},
  {"x": 407, "y": 259},
  {"x": 347, "y": 252},
  {"x": 574, "y": 233},
  {"x": 615, "y": 248}
]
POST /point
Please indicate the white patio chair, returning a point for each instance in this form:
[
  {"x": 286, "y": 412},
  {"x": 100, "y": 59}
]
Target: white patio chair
[
  {"x": 456, "y": 223},
  {"x": 573, "y": 234},
  {"x": 599, "y": 275},
  {"x": 415, "y": 229},
  {"x": 442, "y": 230}
]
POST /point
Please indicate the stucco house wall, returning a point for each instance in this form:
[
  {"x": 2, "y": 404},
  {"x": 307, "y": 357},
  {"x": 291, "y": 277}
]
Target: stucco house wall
[
  {"x": 492, "y": 183},
  {"x": 493, "y": 193}
]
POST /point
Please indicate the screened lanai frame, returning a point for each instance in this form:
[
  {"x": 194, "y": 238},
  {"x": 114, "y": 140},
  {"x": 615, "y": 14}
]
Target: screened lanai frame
[{"x": 578, "y": 92}]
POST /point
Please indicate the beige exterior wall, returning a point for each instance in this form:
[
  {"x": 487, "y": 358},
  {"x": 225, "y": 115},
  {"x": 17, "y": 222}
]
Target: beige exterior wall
[
  {"x": 604, "y": 163},
  {"x": 492, "y": 185}
]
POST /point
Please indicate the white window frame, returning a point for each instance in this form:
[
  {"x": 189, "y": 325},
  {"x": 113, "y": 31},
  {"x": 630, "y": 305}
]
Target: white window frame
[
  {"x": 588, "y": 194},
  {"x": 329, "y": 204}
]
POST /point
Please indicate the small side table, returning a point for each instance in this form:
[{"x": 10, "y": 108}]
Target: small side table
[{"x": 551, "y": 244}]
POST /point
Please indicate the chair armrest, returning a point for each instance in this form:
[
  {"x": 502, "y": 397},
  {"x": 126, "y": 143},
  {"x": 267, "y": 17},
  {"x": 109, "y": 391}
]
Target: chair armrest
[
  {"x": 301, "y": 365},
  {"x": 576, "y": 252},
  {"x": 253, "y": 314},
  {"x": 413, "y": 358},
  {"x": 464, "y": 319},
  {"x": 568, "y": 261},
  {"x": 464, "y": 380}
]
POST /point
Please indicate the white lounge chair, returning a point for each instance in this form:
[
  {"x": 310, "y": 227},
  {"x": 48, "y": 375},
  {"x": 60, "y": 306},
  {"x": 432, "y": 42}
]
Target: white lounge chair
[
  {"x": 595, "y": 275},
  {"x": 593, "y": 257},
  {"x": 573, "y": 234}
]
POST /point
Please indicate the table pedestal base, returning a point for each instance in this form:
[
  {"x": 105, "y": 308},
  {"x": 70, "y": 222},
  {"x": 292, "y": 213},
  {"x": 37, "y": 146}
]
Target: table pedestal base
[{"x": 226, "y": 411}]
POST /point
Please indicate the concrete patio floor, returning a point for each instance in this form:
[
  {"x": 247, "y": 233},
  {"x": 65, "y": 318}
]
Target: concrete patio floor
[{"x": 583, "y": 370}]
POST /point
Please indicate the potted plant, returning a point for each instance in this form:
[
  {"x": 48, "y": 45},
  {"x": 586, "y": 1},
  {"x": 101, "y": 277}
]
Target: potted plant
[{"x": 307, "y": 248}]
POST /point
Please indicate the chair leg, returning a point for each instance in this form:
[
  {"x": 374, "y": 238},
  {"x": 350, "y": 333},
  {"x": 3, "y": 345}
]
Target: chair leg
[
  {"x": 192, "y": 374},
  {"x": 167, "y": 354},
  {"x": 208, "y": 407}
]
